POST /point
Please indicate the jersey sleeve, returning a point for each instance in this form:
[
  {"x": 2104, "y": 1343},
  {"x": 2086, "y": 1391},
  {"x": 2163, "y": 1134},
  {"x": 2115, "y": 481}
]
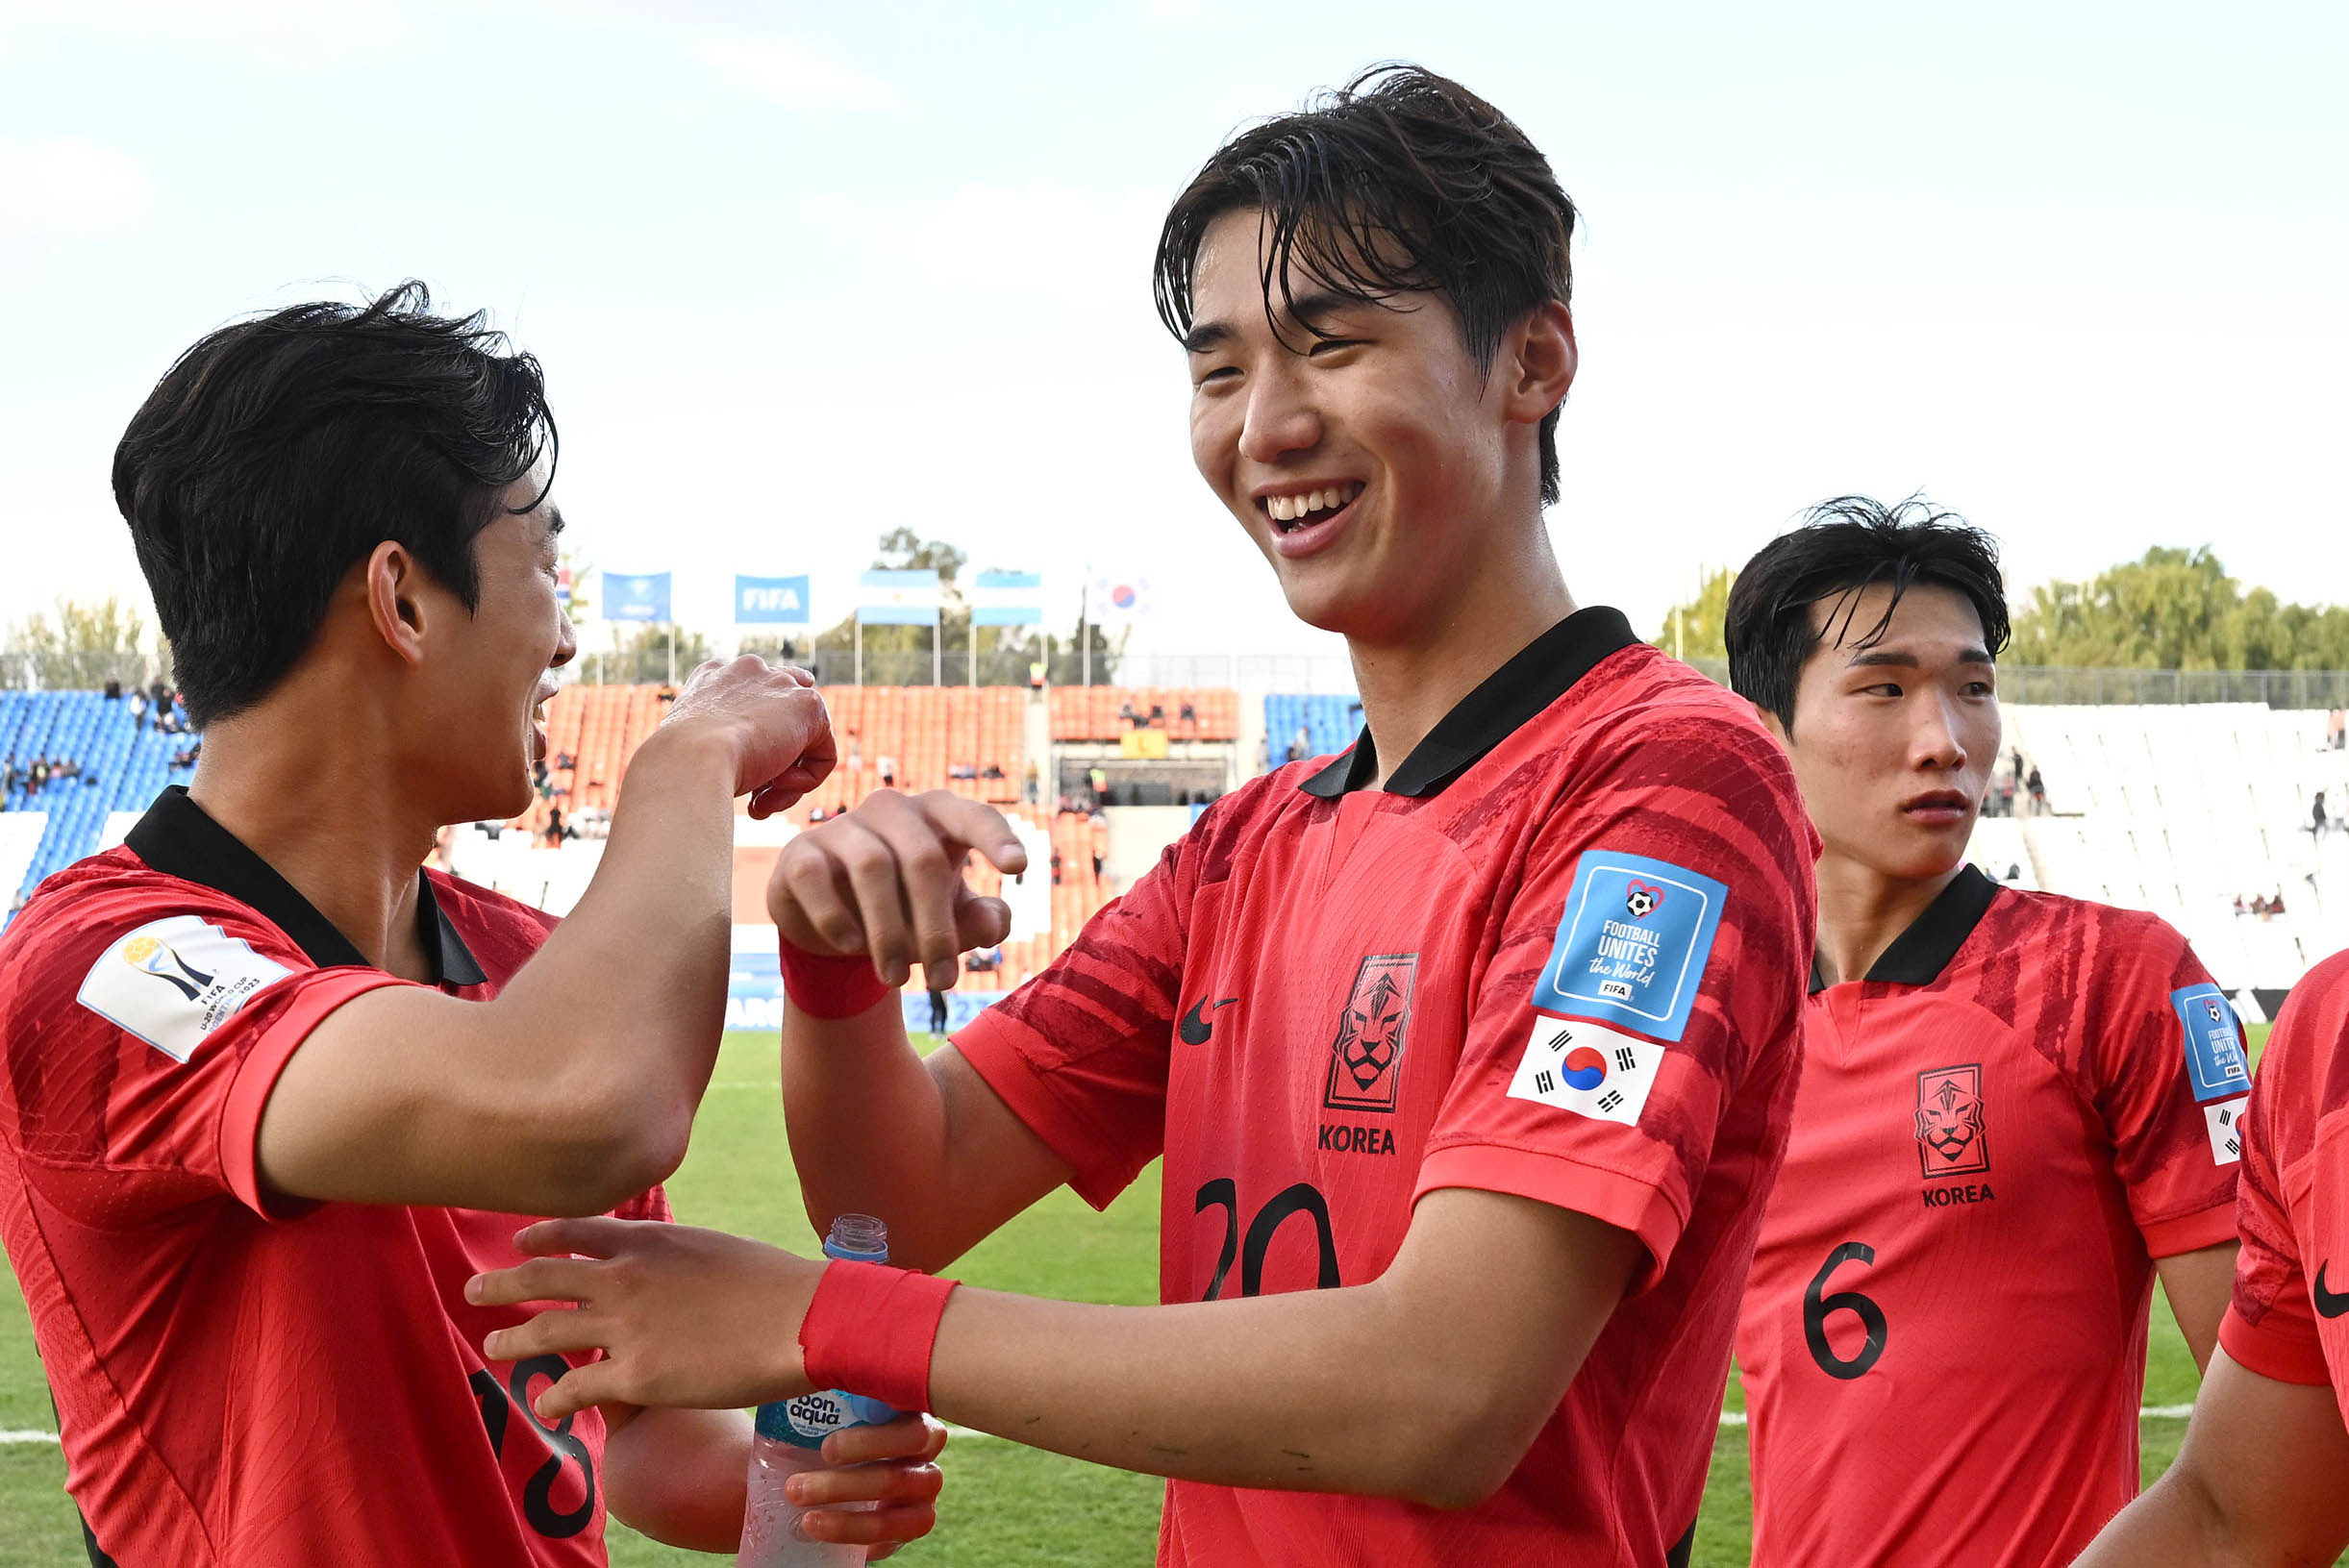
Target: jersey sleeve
[
  {"x": 1649, "y": 968},
  {"x": 2171, "y": 1074},
  {"x": 159, "y": 1033},
  {"x": 2271, "y": 1323},
  {"x": 1080, "y": 1053}
]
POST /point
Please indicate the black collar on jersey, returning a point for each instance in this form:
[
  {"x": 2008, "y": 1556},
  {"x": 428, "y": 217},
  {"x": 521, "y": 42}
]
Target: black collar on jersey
[
  {"x": 1542, "y": 671},
  {"x": 179, "y": 839},
  {"x": 1918, "y": 955}
]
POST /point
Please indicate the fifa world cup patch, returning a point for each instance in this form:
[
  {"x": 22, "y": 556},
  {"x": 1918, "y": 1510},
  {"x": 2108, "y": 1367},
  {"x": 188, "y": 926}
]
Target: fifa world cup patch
[
  {"x": 2215, "y": 1062},
  {"x": 173, "y": 982},
  {"x": 1632, "y": 945},
  {"x": 2224, "y": 1124},
  {"x": 1586, "y": 1068}
]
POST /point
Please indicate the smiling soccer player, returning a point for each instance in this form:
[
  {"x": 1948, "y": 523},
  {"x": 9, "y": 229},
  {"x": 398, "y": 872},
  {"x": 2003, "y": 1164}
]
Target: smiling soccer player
[
  {"x": 1468, "y": 1053},
  {"x": 2016, "y": 1109}
]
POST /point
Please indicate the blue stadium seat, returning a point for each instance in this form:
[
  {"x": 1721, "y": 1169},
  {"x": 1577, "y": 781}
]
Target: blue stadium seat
[
  {"x": 1330, "y": 722},
  {"x": 123, "y": 769}
]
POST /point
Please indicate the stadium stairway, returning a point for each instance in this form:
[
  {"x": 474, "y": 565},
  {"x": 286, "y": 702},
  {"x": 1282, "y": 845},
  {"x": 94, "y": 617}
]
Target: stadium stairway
[{"x": 124, "y": 766}]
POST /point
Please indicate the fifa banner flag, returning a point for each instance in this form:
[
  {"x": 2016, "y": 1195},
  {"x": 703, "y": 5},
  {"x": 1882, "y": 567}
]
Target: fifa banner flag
[
  {"x": 770, "y": 600},
  {"x": 641, "y": 598},
  {"x": 1006, "y": 599},
  {"x": 1119, "y": 600},
  {"x": 887, "y": 598}
]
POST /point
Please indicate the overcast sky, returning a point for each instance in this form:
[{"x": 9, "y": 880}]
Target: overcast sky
[{"x": 800, "y": 273}]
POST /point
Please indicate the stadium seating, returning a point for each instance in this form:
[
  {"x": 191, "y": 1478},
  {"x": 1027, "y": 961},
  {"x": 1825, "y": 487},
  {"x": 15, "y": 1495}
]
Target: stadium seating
[
  {"x": 1330, "y": 724},
  {"x": 1109, "y": 712},
  {"x": 2183, "y": 809},
  {"x": 124, "y": 767}
]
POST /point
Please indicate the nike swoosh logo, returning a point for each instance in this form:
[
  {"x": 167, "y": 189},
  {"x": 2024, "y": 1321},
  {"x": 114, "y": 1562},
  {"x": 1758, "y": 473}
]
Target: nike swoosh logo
[
  {"x": 1194, "y": 1028},
  {"x": 2329, "y": 1304}
]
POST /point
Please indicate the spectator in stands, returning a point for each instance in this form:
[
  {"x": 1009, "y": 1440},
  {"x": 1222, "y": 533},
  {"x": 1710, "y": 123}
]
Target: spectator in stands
[
  {"x": 8, "y": 776},
  {"x": 1190, "y": 712},
  {"x": 139, "y": 712},
  {"x": 556, "y": 831},
  {"x": 155, "y": 696},
  {"x": 1299, "y": 745},
  {"x": 2337, "y": 729},
  {"x": 1100, "y": 780},
  {"x": 2015, "y": 871},
  {"x": 2007, "y": 785},
  {"x": 1031, "y": 783},
  {"x": 114, "y": 691},
  {"x": 889, "y": 772},
  {"x": 565, "y": 762},
  {"x": 1157, "y": 716},
  {"x": 2039, "y": 791},
  {"x": 856, "y": 752},
  {"x": 1125, "y": 712},
  {"x": 937, "y": 1012},
  {"x": 2275, "y": 905},
  {"x": 2318, "y": 822},
  {"x": 993, "y": 770},
  {"x": 2014, "y": 764},
  {"x": 38, "y": 779},
  {"x": 2240, "y": 908},
  {"x": 984, "y": 960}
]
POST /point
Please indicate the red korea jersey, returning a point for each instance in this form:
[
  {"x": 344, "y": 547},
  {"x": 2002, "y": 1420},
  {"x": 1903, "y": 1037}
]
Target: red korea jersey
[
  {"x": 2025, "y": 1102},
  {"x": 2291, "y": 1278},
  {"x": 244, "y": 1380},
  {"x": 1559, "y": 955}
]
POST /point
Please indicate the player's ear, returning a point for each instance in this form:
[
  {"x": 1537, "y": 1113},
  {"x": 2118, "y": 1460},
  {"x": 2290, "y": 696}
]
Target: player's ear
[
  {"x": 394, "y": 581},
  {"x": 1540, "y": 359}
]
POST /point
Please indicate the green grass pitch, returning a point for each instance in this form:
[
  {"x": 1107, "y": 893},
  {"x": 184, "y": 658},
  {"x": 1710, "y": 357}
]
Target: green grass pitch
[{"x": 1003, "y": 1505}]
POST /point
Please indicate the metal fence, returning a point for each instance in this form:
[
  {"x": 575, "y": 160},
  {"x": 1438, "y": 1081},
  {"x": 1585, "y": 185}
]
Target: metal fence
[
  {"x": 79, "y": 672},
  {"x": 2042, "y": 686}
]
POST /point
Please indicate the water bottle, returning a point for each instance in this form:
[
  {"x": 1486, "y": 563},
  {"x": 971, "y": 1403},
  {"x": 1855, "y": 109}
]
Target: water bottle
[{"x": 791, "y": 1437}]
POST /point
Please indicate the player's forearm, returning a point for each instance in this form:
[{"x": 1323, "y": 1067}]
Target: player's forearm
[
  {"x": 1325, "y": 1390},
  {"x": 2178, "y": 1524},
  {"x": 626, "y": 1001},
  {"x": 681, "y": 1476},
  {"x": 869, "y": 1129}
]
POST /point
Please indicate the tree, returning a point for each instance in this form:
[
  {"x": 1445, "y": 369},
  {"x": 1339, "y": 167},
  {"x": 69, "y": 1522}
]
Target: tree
[
  {"x": 2175, "y": 610},
  {"x": 86, "y": 644},
  {"x": 1703, "y": 622}
]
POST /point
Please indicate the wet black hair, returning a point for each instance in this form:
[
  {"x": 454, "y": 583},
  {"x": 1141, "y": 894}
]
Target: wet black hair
[
  {"x": 1842, "y": 547},
  {"x": 1399, "y": 181}
]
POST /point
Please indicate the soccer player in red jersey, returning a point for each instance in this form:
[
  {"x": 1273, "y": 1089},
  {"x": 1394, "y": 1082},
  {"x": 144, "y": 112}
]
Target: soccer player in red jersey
[
  {"x": 2016, "y": 1109},
  {"x": 1468, "y": 1053},
  {"x": 2258, "y": 1484},
  {"x": 272, "y": 1094}
]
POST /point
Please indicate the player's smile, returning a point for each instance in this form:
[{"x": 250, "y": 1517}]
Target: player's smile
[{"x": 1307, "y": 517}]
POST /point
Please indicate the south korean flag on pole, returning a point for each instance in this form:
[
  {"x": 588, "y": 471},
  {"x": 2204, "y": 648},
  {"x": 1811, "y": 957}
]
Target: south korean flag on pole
[{"x": 1574, "y": 1064}]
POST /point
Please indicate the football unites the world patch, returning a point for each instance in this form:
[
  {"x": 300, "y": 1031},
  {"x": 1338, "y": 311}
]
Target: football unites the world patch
[
  {"x": 1586, "y": 1068},
  {"x": 173, "y": 982},
  {"x": 1632, "y": 945},
  {"x": 2215, "y": 1062}
]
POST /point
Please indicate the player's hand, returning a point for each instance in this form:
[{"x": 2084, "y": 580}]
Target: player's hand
[
  {"x": 684, "y": 1316},
  {"x": 771, "y": 716},
  {"x": 889, "y": 1465},
  {"x": 886, "y": 878}
]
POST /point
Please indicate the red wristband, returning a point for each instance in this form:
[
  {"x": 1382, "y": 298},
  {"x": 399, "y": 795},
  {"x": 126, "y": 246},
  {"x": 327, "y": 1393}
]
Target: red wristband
[
  {"x": 823, "y": 986},
  {"x": 870, "y": 1328}
]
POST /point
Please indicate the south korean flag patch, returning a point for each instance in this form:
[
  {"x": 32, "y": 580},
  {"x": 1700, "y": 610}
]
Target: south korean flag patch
[
  {"x": 2224, "y": 1121},
  {"x": 1574, "y": 1064},
  {"x": 173, "y": 982}
]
